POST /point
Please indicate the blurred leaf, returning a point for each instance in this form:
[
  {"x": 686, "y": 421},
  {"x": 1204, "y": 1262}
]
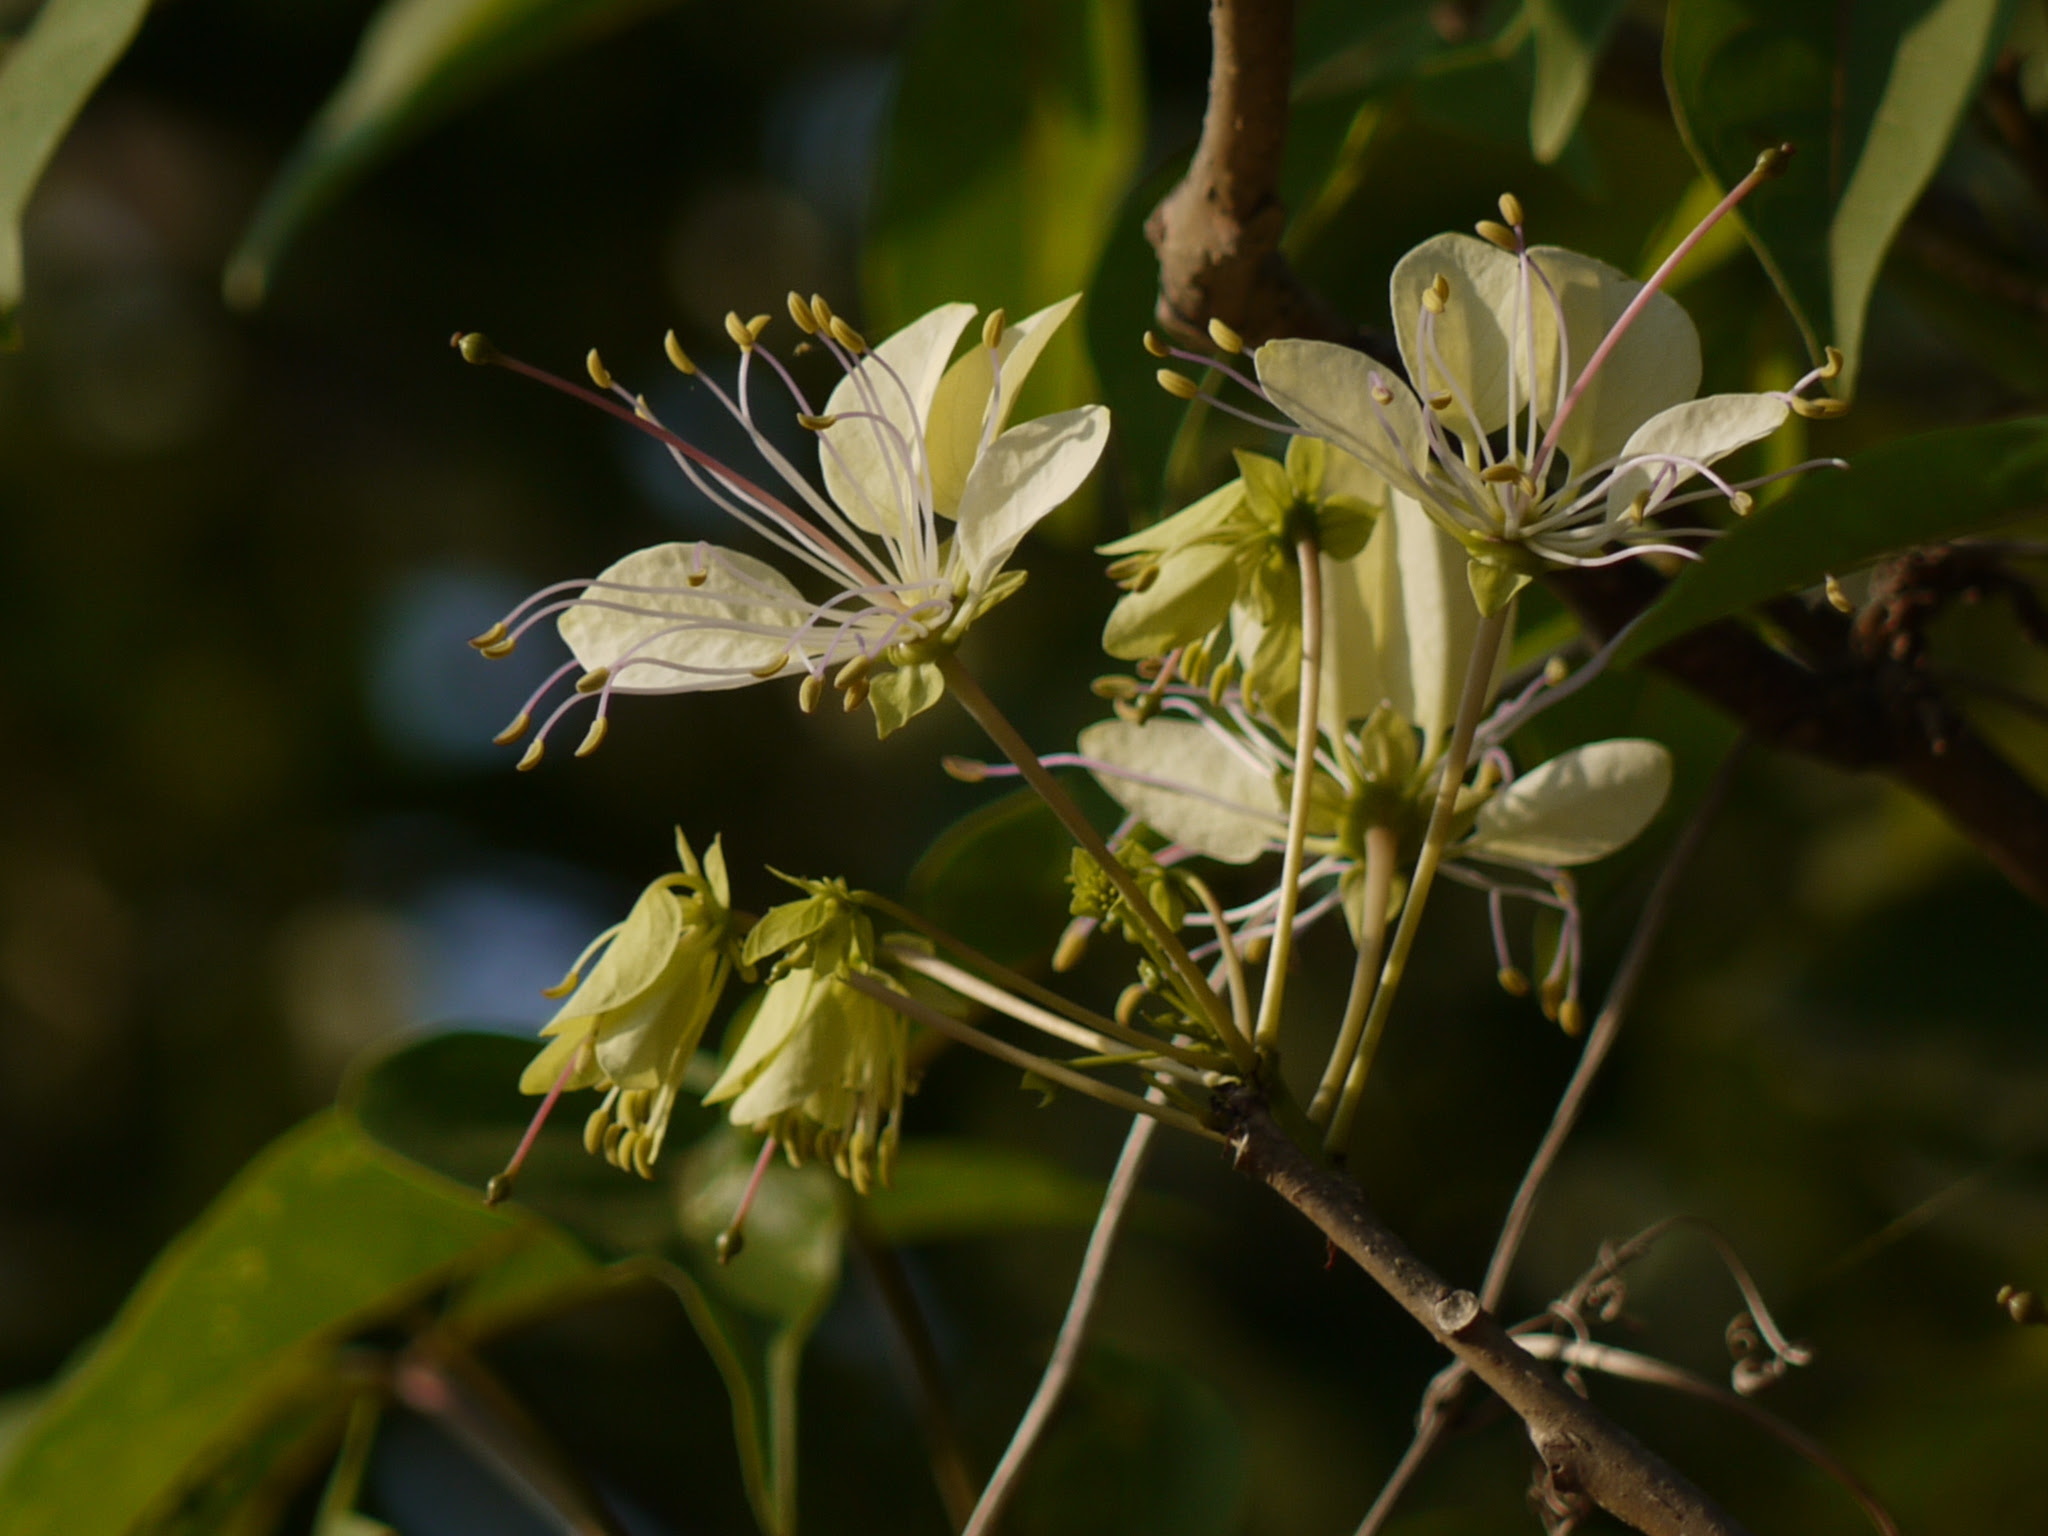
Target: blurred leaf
[
  {"x": 418, "y": 61},
  {"x": 233, "y": 1337},
  {"x": 1140, "y": 1448},
  {"x": 1869, "y": 105},
  {"x": 1487, "y": 93},
  {"x": 1343, "y": 48},
  {"x": 1570, "y": 35},
  {"x": 997, "y": 878},
  {"x": 1917, "y": 490},
  {"x": 45, "y": 77},
  {"x": 1014, "y": 137},
  {"x": 953, "y": 1189},
  {"x": 452, "y": 1102},
  {"x": 756, "y": 1314}
]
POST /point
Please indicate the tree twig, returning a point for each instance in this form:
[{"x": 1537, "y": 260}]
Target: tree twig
[
  {"x": 1583, "y": 1452},
  {"x": 1066, "y": 1350}
]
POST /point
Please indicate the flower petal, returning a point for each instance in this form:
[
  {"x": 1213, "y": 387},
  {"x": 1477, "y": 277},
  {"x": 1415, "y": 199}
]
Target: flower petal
[
  {"x": 1210, "y": 800},
  {"x": 785, "y": 1005},
  {"x": 659, "y": 1033},
  {"x": 1196, "y": 520},
  {"x": 1580, "y": 806},
  {"x": 1328, "y": 390},
  {"x": 867, "y": 466},
  {"x": 1026, "y": 473},
  {"x": 635, "y": 958},
  {"x": 1189, "y": 598},
  {"x": 1473, "y": 345},
  {"x": 1655, "y": 364},
  {"x": 656, "y": 633},
  {"x": 959, "y": 410},
  {"x": 1702, "y": 430}
]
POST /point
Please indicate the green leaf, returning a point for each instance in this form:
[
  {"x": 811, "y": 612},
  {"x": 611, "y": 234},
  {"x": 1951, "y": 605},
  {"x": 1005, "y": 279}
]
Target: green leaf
[
  {"x": 997, "y": 878},
  {"x": 418, "y": 61},
  {"x": 1569, "y": 35},
  {"x": 1140, "y": 1448},
  {"x": 944, "y": 1190},
  {"x": 233, "y": 1337},
  {"x": 45, "y": 77},
  {"x": 1868, "y": 104},
  {"x": 1014, "y": 136},
  {"x": 1917, "y": 490}
]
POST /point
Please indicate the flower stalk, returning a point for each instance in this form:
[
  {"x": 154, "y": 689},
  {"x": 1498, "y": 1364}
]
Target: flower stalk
[{"x": 1308, "y": 720}]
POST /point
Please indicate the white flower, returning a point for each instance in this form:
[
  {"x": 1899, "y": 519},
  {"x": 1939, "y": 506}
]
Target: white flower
[
  {"x": 927, "y": 492},
  {"x": 1552, "y": 411}
]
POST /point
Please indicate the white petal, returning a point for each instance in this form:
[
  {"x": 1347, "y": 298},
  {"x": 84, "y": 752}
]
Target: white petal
[
  {"x": 1225, "y": 807},
  {"x": 680, "y": 638},
  {"x": 1705, "y": 430},
  {"x": 1328, "y": 390},
  {"x": 864, "y": 463},
  {"x": 1026, "y": 473},
  {"x": 1654, "y": 365},
  {"x": 955, "y": 427},
  {"x": 813, "y": 1057},
  {"x": 1476, "y": 335},
  {"x": 782, "y": 1012},
  {"x": 1578, "y": 807}
]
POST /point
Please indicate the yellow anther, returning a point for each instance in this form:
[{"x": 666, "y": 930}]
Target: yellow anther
[
  {"x": 643, "y": 1157},
  {"x": 1511, "y": 210},
  {"x": 1552, "y": 997},
  {"x": 1178, "y": 385},
  {"x": 1256, "y": 949},
  {"x": 1837, "y": 598},
  {"x": 633, "y": 1107},
  {"x": 531, "y": 758},
  {"x": 1820, "y": 407},
  {"x": 1513, "y": 982},
  {"x": 613, "y": 1135},
  {"x": 800, "y": 312},
  {"x": 1497, "y": 234},
  {"x": 1772, "y": 161},
  {"x": 593, "y": 680},
  {"x": 966, "y": 770},
  {"x": 495, "y": 635},
  {"x": 815, "y": 423},
  {"x": 503, "y": 648},
  {"x": 1225, "y": 337},
  {"x": 514, "y": 731},
  {"x": 1497, "y": 474},
  {"x": 1833, "y": 366},
  {"x": 476, "y": 347},
  {"x": 564, "y": 987},
  {"x": 594, "y": 1128},
  {"x": 600, "y": 375},
  {"x": 736, "y": 328},
  {"x": 820, "y": 310},
  {"x": 772, "y": 668},
  {"x": 594, "y": 737},
  {"x": 1432, "y": 300},
  {"x": 642, "y": 409},
  {"x": 1440, "y": 403},
  {"x": 676, "y": 354},
  {"x": 697, "y": 574},
  {"x": 1487, "y": 780},
  {"x": 1115, "y": 685},
  {"x": 854, "y": 670},
  {"x": 1382, "y": 394},
  {"x": 1157, "y": 347},
  {"x": 856, "y": 695},
  {"x": 847, "y": 336},
  {"x": 757, "y": 325},
  {"x": 1637, "y": 509},
  {"x": 1556, "y": 670},
  {"x": 1127, "y": 1003},
  {"x": 1571, "y": 1017},
  {"x": 1072, "y": 947},
  {"x": 809, "y": 692},
  {"x": 1742, "y": 503},
  {"x": 992, "y": 329}
]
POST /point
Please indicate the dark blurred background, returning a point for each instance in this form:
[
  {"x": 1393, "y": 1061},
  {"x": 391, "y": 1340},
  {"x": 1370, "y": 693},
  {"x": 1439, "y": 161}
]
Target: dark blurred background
[{"x": 252, "y": 821}]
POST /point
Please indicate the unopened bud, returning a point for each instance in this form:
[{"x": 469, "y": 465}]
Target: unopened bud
[
  {"x": 676, "y": 354},
  {"x": 600, "y": 375},
  {"x": 728, "y": 1244},
  {"x": 1772, "y": 161},
  {"x": 1179, "y": 385},
  {"x": 1225, "y": 337}
]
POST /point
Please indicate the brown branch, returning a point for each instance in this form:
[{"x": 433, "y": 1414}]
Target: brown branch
[
  {"x": 1858, "y": 714},
  {"x": 1217, "y": 233},
  {"x": 1584, "y": 1455}
]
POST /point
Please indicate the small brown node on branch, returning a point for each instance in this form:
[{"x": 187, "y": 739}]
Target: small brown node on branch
[{"x": 1456, "y": 1311}]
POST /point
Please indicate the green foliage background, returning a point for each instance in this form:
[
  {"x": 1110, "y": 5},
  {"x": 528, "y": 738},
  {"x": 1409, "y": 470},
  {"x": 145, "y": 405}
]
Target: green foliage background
[{"x": 251, "y": 827}]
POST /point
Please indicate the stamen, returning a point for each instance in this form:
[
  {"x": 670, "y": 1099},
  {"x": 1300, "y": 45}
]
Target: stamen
[
  {"x": 821, "y": 311},
  {"x": 1822, "y": 408},
  {"x": 1157, "y": 347},
  {"x": 593, "y": 680},
  {"x": 599, "y": 374},
  {"x": 992, "y": 329},
  {"x": 733, "y": 1238},
  {"x": 757, "y": 325},
  {"x": 800, "y": 312},
  {"x": 1225, "y": 337},
  {"x": 1497, "y": 234},
  {"x": 1511, "y": 210},
  {"x": 847, "y": 336},
  {"x": 809, "y": 692},
  {"x": 594, "y": 737},
  {"x": 495, "y": 635},
  {"x": 736, "y": 328},
  {"x": 514, "y": 731},
  {"x": 677, "y": 355},
  {"x": 964, "y": 770},
  {"x": 1837, "y": 598},
  {"x": 532, "y": 756},
  {"x": 1179, "y": 385}
]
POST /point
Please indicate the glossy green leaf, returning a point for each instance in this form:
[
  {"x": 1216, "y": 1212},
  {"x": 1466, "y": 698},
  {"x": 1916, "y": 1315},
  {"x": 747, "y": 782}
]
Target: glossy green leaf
[
  {"x": 1344, "y": 48},
  {"x": 1140, "y": 1448},
  {"x": 1569, "y": 36},
  {"x": 1014, "y": 137},
  {"x": 1917, "y": 490},
  {"x": 1869, "y": 102},
  {"x": 946, "y": 1190},
  {"x": 418, "y": 61},
  {"x": 45, "y": 77},
  {"x": 231, "y": 1340},
  {"x": 997, "y": 877}
]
